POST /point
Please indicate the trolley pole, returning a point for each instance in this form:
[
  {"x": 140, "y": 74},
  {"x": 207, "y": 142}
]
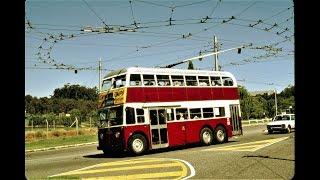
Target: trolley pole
[
  {"x": 215, "y": 50},
  {"x": 99, "y": 74}
]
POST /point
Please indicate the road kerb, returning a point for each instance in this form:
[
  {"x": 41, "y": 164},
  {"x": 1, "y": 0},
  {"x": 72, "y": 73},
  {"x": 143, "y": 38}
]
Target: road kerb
[
  {"x": 255, "y": 124},
  {"x": 60, "y": 147}
]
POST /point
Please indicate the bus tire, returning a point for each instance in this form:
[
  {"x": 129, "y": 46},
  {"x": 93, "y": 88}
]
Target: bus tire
[
  {"x": 206, "y": 136},
  {"x": 107, "y": 152},
  {"x": 220, "y": 135},
  {"x": 137, "y": 144}
]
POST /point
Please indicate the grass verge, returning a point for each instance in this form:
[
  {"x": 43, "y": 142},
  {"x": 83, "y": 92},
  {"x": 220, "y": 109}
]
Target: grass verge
[{"x": 60, "y": 141}]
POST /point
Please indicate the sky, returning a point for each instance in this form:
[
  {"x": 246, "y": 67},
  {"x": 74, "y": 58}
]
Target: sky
[{"x": 56, "y": 43}]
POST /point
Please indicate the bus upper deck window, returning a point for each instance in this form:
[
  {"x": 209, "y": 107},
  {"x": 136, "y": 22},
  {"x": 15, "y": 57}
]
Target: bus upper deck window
[
  {"x": 135, "y": 80},
  {"x": 163, "y": 80},
  {"x": 148, "y": 80},
  {"x": 227, "y": 81},
  {"x": 203, "y": 80},
  {"x": 177, "y": 80},
  {"x": 216, "y": 81},
  {"x": 191, "y": 81}
]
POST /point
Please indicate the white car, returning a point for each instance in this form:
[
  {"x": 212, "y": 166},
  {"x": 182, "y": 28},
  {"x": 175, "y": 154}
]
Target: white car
[{"x": 283, "y": 123}]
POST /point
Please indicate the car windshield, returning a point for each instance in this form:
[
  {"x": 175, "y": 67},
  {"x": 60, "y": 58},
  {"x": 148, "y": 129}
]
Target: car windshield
[
  {"x": 112, "y": 116},
  {"x": 282, "y": 118}
]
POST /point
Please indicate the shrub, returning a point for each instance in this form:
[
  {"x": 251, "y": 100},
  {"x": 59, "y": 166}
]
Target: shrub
[
  {"x": 29, "y": 136},
  {"x": 56, "y": 133},
  {"x": 39, "y": 134}
]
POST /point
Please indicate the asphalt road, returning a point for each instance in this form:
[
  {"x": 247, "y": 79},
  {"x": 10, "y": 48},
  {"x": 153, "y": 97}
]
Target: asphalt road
[{"x": 251, "y": 156}]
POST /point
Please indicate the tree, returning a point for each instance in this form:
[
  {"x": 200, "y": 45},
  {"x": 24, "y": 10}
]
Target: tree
[
  {"x": 258, "y": 107},
  {"x": 75, "y": 113},
  {"x": 75, "y": 92},
  {"x": 246, "y": 105}
]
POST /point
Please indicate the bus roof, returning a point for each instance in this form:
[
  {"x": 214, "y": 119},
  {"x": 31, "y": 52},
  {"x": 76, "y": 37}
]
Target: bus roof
[{"x": 168, "y": 71}]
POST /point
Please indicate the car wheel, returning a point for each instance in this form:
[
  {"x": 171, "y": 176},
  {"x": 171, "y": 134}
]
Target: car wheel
[
  {"x": 137, "y": 144},
  {"x": 288, "y": 129},
  {"x": 220, "y": 135},
  {"x": 206, "y": 136}
]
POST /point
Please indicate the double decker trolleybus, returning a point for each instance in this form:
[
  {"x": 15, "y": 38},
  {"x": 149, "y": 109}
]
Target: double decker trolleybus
[{"x": 149, "y": 108}]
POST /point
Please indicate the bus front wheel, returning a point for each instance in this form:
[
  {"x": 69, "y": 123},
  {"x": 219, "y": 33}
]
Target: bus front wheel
[
  {"x": 137, "y": 144},
  {"x": 206, "y": 136}
]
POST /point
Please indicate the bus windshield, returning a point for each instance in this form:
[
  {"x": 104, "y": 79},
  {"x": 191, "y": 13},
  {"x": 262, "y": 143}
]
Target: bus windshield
[
  {"x": 111, "y": 116},
  {"x": 106, "y": 85}
]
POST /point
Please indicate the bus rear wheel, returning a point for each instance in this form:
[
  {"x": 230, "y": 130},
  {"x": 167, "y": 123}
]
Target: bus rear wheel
[
  {"x": 220, "y": 135},
  {"x": 137, "y": 144},
  {"x": 206, "y": 136}
]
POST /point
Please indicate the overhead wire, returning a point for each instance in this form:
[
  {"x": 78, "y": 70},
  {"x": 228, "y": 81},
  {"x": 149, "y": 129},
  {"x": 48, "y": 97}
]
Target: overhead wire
[{"x": 95, "y": 13}]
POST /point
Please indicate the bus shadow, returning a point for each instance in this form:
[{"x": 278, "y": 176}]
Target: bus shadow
[
  {"x": 155, "y": 151},
  {"x": 102, "y": 155}
]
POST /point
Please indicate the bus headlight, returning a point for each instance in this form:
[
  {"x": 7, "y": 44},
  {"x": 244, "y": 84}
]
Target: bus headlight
[
  {"x": 117, "y": 134},
  {"x": 228, "y": 121}
]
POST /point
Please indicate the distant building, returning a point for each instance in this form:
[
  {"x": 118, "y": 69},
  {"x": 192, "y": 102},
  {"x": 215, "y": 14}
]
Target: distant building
[{"x": 254, "y": 93}]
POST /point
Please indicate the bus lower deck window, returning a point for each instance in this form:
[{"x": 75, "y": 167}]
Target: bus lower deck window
[
  {"x": 219, "y": 111},
  {"x": 140, "y": 115},
  {"x": 195, "y": 113},
  {"x": 181, "y": 113},
  {"x": 207, "y": 112},
  {"x": 130, "y": 115}
]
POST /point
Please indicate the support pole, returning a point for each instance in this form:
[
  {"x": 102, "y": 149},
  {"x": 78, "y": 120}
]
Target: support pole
[
  {"x": 215, "y": 50},
  {"x": 77, "y": 126},
  {"x": 47, "y": 128},
  {"x": 99, "y": 74},
  {"x": 275, "y": 100}
]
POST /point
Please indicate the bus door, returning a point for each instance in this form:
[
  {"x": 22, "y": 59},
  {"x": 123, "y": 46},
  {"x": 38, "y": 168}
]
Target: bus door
[
  {"x": 235, "y": 119},
  {"x": 158, "y": 128}
]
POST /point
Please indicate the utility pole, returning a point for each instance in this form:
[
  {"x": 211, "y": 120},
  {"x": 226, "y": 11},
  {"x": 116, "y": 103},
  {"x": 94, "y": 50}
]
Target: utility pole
[
  {"x": 275, "y": 100},
  {"x": 99, "y": 74},
  {"x": 215, "y": 50}
]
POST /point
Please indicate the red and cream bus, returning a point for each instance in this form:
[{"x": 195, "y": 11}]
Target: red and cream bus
[{"x": 149, "y": 108}]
